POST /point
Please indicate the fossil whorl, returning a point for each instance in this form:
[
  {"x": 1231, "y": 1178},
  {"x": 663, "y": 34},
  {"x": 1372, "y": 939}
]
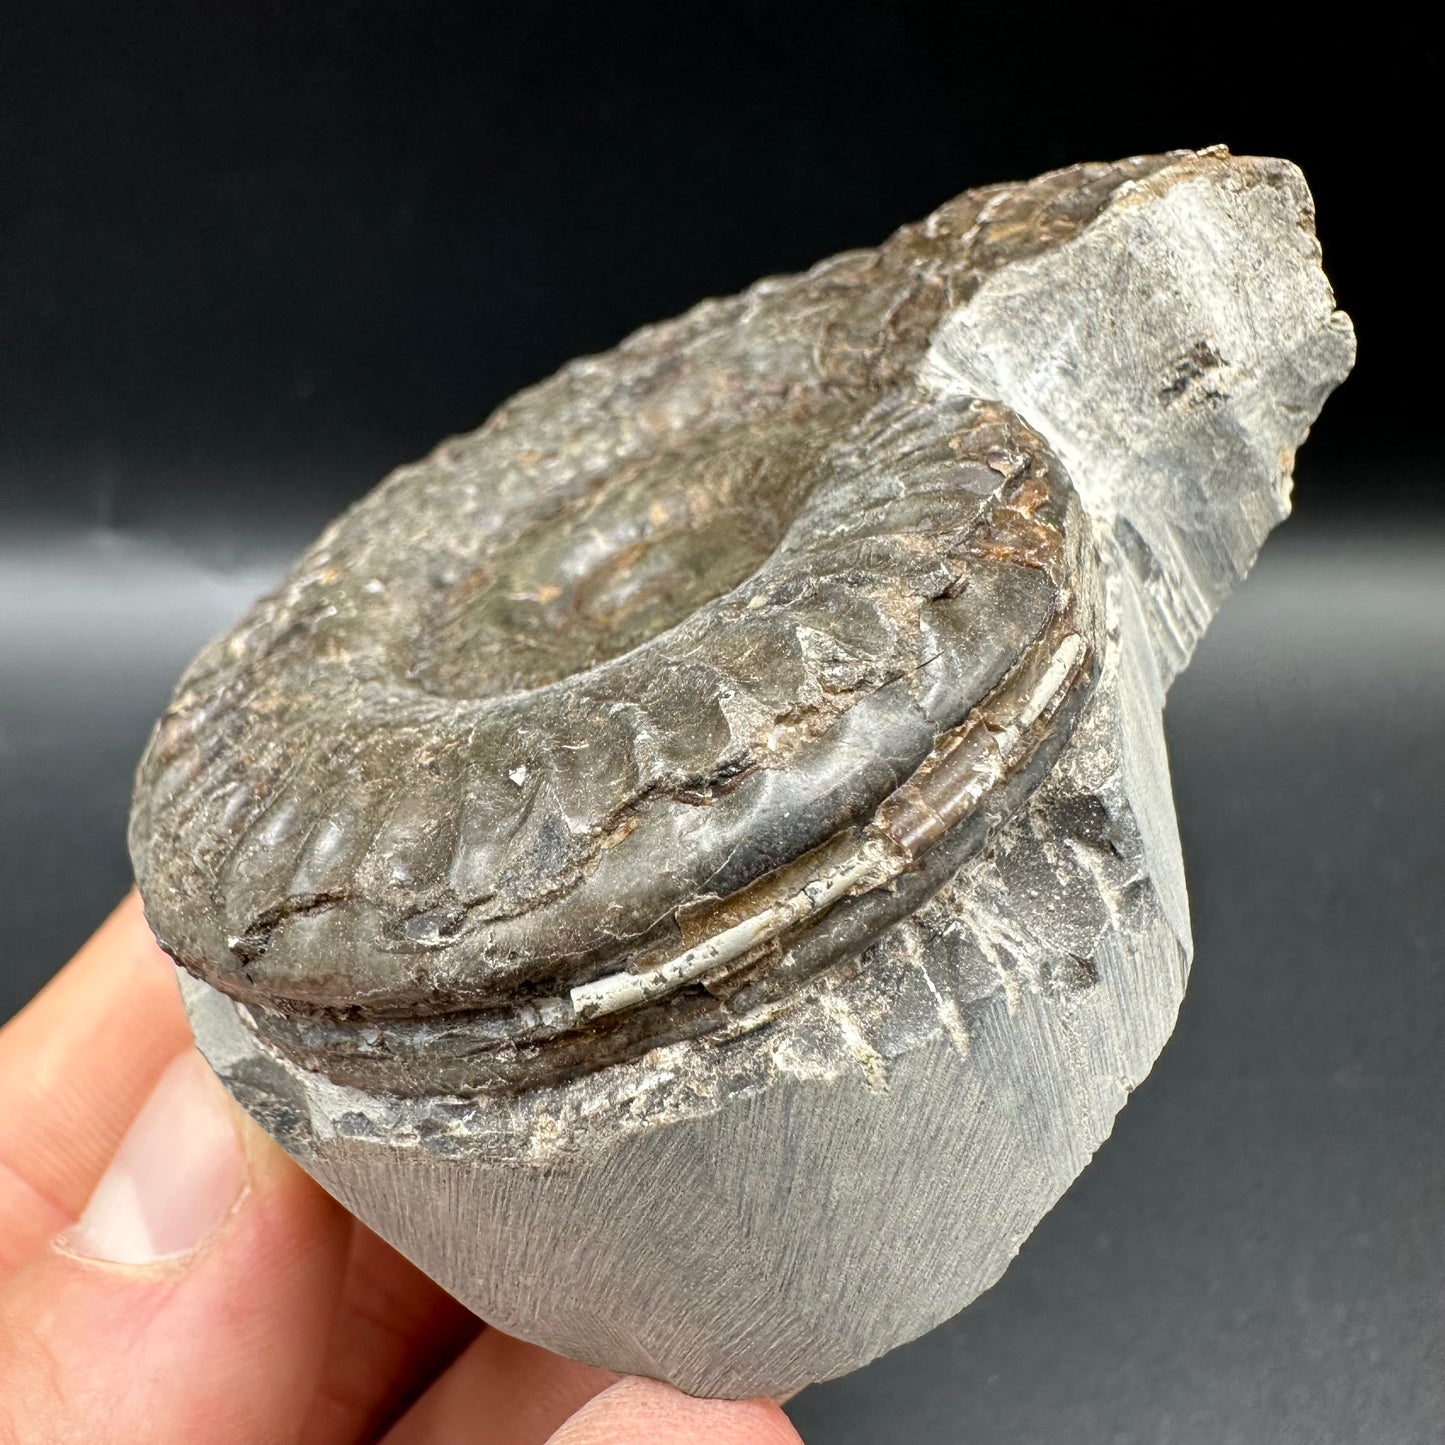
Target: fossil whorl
[
  {"x": 691, "y": 863},
  {"x": 668, "y": 623}
]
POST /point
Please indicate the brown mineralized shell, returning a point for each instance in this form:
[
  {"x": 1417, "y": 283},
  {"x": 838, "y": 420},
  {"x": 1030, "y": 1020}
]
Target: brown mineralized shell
[{"x": 671, "y": 622}]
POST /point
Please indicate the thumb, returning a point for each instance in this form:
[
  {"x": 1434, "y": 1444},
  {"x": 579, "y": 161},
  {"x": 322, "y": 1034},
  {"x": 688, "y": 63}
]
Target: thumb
[{"x": 192, "y": 1298}]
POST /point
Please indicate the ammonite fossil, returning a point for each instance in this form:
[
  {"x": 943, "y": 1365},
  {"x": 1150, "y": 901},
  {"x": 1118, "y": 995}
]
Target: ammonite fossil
[{"x": 691, "y": 863}]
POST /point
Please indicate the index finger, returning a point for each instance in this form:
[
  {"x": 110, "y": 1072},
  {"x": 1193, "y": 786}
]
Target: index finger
[
  {"x": 75, "y": 1066},
  {"x": 634, "y": 1410}
]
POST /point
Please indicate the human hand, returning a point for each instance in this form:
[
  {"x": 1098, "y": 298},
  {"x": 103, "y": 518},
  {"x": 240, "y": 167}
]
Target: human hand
[{"x": 168, "y": 1275}]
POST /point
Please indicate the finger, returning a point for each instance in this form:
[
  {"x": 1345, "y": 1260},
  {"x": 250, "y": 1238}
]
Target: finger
[
  {"x": 395, "y": 1331},
  {"x": 191, "y": 1299},
  {"x": 500, "y": 1391},
  {"x": 75, "y": 1065},
  {"x": 637, "y": 1410}
]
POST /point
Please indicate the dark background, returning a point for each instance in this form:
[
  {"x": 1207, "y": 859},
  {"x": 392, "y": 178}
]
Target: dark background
[{"x": 255, "y": 256}]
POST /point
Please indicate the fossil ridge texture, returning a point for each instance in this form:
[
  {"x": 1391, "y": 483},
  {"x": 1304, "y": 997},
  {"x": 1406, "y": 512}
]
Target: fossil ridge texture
[{"x": 692, "y": 863}]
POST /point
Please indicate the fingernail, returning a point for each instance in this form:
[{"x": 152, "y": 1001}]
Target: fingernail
[{"x": 175, "y": 1177}]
